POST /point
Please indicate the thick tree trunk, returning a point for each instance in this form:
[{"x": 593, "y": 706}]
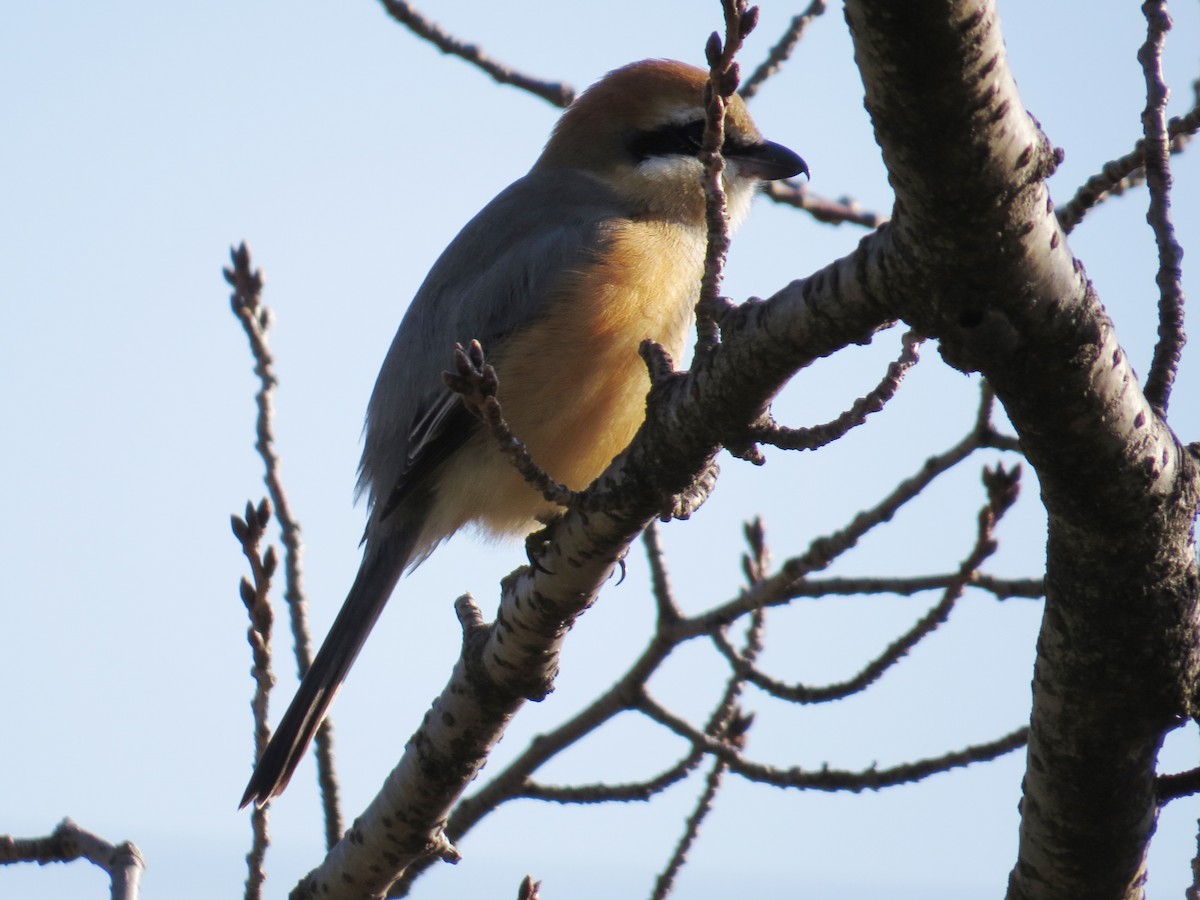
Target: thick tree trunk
[{"x": 980, "y": 263}]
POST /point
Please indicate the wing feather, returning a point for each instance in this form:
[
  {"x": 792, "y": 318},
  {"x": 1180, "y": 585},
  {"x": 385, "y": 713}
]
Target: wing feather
[{"x": 556, "y": 223}]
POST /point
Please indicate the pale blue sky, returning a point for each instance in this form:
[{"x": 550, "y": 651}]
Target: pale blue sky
[{"x": 143, "y": 139}]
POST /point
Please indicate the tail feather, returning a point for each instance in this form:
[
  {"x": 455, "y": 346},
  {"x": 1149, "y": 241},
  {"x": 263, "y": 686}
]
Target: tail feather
[{"x": 377, "y": 576}]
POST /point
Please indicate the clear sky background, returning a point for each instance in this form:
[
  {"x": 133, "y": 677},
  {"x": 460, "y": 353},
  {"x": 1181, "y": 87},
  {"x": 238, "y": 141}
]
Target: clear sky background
[{"x": 142, "y": 139}]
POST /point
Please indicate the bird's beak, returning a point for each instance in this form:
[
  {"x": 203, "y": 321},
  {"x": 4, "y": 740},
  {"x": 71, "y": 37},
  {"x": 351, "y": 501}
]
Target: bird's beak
[{"x": 768, "y": 161}]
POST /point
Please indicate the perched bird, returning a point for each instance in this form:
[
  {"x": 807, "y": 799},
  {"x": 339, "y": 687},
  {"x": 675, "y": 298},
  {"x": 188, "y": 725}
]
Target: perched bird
[{"x": 561, "y": 277}]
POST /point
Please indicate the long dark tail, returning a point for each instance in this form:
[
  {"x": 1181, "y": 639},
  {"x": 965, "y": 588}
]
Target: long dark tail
[{"x": 377, "y": 576}]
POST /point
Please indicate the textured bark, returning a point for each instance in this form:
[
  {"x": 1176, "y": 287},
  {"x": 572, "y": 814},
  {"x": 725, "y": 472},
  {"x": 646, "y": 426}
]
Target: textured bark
[{"x": 980, "y": 263}]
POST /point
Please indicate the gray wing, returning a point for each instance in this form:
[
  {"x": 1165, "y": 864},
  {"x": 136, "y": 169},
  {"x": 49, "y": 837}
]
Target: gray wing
[{"x": 493, "y": 278}]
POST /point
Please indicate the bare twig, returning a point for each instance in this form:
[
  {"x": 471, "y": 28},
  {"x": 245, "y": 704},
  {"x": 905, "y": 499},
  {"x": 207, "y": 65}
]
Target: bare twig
[
  {"x": 1002, "y": 489},
  {"x": 826, "y": 779},
  {"x": 250, "y": 530},
  {"x": 783, "y": 48},
  {"x": 632, "y": 791},
  {"x": 247, "y": 305},
  {"x": 1000, "y": 588},
  {"x": 406, "y": 14},
  {"x": 722, "y": 720},
  {"x": 124, "y": 862},
  {"x": 476, "y": 382},
  {"x": 831, "y": 212},
  {"x": 1126, "y": 172},
  {"x": 666, "y": 880},
  {"x": 768, "y": 432},
  {"x": 1156, "y": 159},
  {"x": 727, "y": 722},
  {"x": 664, "y": 599},
  {"x": 824, "y": 550},
  {"x": 722, "y": 83}
]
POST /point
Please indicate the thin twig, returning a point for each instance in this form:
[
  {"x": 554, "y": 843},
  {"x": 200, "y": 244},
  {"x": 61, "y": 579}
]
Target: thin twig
[
  {"x": 626, "y": 792},
  {"x": 250, "y": 530},
  {"x": 730, "y": 723},
  {"x": 660, "y": 584},
  {"x": 831, "y": 212},
  {"x": 1126, "y": 172},
  {"x": 1156, "y": 159},
  {"x": 246, "y": 301},
  {"x": 826, "y": 779},
  {"x": 666, "y": 879},
  {"x": 476, "y": 382},
  {"x": 721, "y": 721},
  {"x": 783, "y": 48},
  {"x": 406, "y": 14},
  {"x": 1000, "y": 588},
  {"x": 1002, "y": 489},
  {"x": 767, "y": 431},
  {"x": 722, "y": 83}
]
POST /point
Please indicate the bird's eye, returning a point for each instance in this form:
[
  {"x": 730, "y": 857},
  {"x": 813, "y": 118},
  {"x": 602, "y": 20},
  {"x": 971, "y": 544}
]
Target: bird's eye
[{"x": 683, "y": 139}]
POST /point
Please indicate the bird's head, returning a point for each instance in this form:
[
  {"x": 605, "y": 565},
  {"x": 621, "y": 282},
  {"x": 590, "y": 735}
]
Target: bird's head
[{"x": 639, "y": 129}]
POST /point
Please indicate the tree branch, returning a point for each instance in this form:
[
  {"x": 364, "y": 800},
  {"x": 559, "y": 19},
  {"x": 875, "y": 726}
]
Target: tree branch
[
  {"x": 255, "y": 317},
  {"x": 124, "y": 862},
  {"x": 1157, "y": 162},
  {"x": 406, "y": 14},
  {"x": 982, "y": 265}
]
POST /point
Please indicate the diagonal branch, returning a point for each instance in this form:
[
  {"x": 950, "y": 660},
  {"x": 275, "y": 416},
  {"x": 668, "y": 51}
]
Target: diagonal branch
[
  {"x": 405, "y": 13},
  {"x": 825, "y": 779},
  {"x": 782, "y": 51},
  {"x": 1002, "y": 493},
  {"x": 1120, "y": 175}
]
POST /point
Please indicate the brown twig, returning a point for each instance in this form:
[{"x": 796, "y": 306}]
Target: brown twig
[
  {"x": 660, "y": 584},
  {"x": 632, "y": 791},
  {"x": 831, "y": 212},
  {"x": 826, "y": 779},
  {"x": 1126, "y": 172},
  {"x": 736, "y": 736},
  {"x": 767, "y": 431},
  {"x": 1156, "y": 159},
  {"x": 406, "y": 14},
  {"x": 721, "y": 721},
  {"x": 1000, "y": 588},
  {"x": 250, "y": 529},
  {"x": 722, "y": 83},
  {"x": 246, "y": 301},
  {"x": 475, "y": 381},
  {"x": 782, "y": 51},
  {"x": 1002, "y": 487}
]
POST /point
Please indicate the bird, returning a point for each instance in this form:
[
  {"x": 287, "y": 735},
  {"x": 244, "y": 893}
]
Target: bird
[{"x": 561, "y": 278}]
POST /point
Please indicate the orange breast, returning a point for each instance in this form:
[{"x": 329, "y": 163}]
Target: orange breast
[{"x": 572, "y": 385}]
